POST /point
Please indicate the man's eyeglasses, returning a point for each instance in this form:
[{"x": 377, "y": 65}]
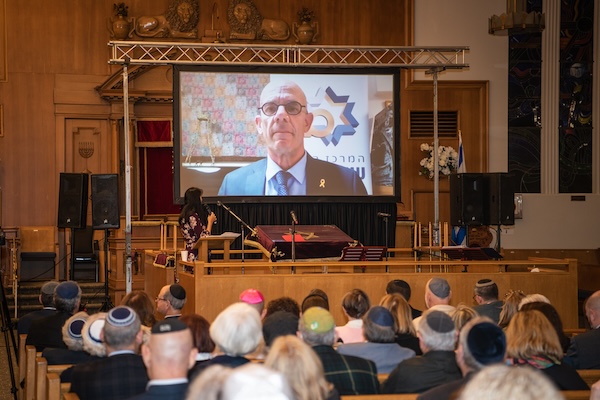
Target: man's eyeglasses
[
  {"x": 292, "y": 108},
  {"x": 160, "y": 298}
]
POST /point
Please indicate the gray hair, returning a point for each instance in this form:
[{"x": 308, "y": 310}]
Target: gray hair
[
  {"x": 316, "y": 339},
  {"x": 237, "y": 330},
  {"x": 122, "y": 336},
  {"x": 378, "y": 334},
  {"x": 175, "y": 303},
  {"x": 67, "y": 305},
  {"x": 445, "y": 341}
]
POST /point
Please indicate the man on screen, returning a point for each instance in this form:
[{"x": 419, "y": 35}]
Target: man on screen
[{"x": 283, "y": 120}]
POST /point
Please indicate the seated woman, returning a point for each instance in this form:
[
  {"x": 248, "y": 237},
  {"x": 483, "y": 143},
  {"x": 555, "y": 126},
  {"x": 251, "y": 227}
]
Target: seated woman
[
  {"x": 512, "y": 298},
  {"x": 532, "y": 341},
  {"x": 143, "y": 306},
  {"x": 195, "y": 220},
  {"x": 550, "y": 312},
  {"x": 406, "y": 336},
  {"x": 200, "y": 333},
  {"x": 355, "y": 304}
]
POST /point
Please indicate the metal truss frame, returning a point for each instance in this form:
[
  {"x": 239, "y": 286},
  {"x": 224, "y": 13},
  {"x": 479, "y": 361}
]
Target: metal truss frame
[{"x": 156, "y": 53}]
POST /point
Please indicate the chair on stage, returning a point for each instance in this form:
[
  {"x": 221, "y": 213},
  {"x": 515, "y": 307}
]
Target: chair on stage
[
  {"x": 38, "y": 249},
  {"x": 85, "y": 250}
]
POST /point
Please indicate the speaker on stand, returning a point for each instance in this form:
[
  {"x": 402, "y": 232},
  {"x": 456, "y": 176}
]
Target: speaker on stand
[
  {"x": 501, "y": 198},
  {"x": 105, "y": 215},
  {"x": 72, "y": 204}
]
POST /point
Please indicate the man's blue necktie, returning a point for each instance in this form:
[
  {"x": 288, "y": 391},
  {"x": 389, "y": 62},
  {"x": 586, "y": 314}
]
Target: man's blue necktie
[{"x": 282, "y": 178}]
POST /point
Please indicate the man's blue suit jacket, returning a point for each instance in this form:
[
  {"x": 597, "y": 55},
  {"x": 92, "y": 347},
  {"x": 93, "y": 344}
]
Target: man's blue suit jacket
[{"x": 322, "y": 179}]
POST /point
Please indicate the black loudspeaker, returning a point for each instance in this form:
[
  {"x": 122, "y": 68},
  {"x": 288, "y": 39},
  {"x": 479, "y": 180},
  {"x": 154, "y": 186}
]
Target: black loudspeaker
[
  {"x": 105, "y": 201},
  {"x": 468, "y": 199},
  {"x": 72, "y": 200},
  {"x": 501, "y": 199}
]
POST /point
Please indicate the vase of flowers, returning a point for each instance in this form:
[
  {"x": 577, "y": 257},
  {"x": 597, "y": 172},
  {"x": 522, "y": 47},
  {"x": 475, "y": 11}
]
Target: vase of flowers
[
  {"x": 447, "y": 160},
  {"x": 308, "y": 29},
  {"x": 120, "y": 26}
]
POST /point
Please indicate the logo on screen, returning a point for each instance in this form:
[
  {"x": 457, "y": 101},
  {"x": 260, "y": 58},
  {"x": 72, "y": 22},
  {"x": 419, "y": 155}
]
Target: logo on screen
[{"x": 333, "y": 118}]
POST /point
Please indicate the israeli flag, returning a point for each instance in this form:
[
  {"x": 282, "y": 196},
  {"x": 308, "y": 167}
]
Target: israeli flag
[{"x": 462, "y": 165}]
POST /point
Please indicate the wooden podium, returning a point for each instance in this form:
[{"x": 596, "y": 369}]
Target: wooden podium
[{"x": 222, "y": 241}]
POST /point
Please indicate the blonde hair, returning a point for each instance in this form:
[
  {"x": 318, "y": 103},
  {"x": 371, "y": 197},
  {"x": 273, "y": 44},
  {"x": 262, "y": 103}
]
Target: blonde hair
[
  {"x": 461, "y": 315},
  {"x": 512, "y": 298},
  {"x": 400, "y": 309},
  {"x": 301, "y": 366},
  {"x": 530, "y": 334},
  {"x": 500, "y": 382}
]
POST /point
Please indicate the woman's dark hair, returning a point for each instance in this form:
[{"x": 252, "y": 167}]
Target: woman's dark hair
[
  {"x": 200, "y": 332},
  {"x": 142, "y": 304},
  {"x": 192, "y": 205},
  {"x": 356, "y": 303}
]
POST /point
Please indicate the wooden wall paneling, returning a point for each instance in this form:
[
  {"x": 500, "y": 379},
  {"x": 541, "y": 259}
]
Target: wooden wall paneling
[
  {"x": 3, "y": 41},
  {"x": 423, "y": 206}
]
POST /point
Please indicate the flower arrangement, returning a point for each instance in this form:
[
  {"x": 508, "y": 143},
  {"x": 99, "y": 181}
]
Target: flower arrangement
[
  {"x": 120, "y": 9},
  {"x": 306, "y": 15},
  {"x": 447, "y": 158}
]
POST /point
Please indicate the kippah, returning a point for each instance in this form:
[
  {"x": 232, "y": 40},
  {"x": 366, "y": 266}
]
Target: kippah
[
  {"x": 380, "y": 316},
  {"x": 168, "y": 325},
  {"x": 318, "y": 320},
  {"x": 121, "y": 316},
  {"x": 95, "y": 329},
  {"x": 75, "y": 327},
  {"x": 48, "y": 287},
  {"x": 67, "y": 290},
  {"x": 439, "y": 287},
  {"x": 484, "y": 283},
  {"x": 177, "y": 291},
  {"x": 486, "y": 343},
  {"x": 252, "y": 296},
  {"x": 439, "y": 321}
]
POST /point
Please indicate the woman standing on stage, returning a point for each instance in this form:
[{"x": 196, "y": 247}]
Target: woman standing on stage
[{"x": 195, "y": 220}]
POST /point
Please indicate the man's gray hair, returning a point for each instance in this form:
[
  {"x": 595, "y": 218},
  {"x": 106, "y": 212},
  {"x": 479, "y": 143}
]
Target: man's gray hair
[
  {"x": 122, "y": 336},
  {"x": 443, "y": 341},
  {"x": 175, "y": 302},
  {"x": 67, "y": 305},
  {"x": 314, "y": 338}
]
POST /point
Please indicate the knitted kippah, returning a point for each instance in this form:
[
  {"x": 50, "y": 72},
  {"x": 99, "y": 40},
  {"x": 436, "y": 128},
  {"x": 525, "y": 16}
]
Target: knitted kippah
[
  {"x": 95, "y": 329},
  {"x": 121, "y": 316},
  {"x": 317, "y": 319},
  {"x": 484, "y": 283},
  {"x": 177, "y": 291},
  {"x": 75, "y": 327}
]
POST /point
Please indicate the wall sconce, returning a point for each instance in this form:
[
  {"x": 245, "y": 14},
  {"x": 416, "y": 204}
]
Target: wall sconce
[{"x": 516, "y": 20}]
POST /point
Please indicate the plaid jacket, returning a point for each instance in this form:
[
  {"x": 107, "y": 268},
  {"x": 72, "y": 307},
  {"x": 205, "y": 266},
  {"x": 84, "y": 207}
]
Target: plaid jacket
[{"x": 350, "y": 375}]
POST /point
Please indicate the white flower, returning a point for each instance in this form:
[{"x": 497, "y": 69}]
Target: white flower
[{"x": 447, "y": 160}]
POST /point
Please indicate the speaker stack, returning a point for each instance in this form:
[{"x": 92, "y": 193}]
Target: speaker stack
[
  {"x": 105, "y": 201},
  {"x": 482, "y": 199}
]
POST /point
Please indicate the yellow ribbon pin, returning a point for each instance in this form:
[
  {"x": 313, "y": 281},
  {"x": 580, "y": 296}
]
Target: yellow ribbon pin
[{"x": 322, "y": 183}]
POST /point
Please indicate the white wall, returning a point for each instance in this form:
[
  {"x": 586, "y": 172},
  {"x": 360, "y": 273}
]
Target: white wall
[{"x": 549, "y": 221}]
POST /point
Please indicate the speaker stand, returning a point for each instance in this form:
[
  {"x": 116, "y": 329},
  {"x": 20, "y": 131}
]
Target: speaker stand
[
  {"x": 72, "y": 260},
  {"x": 107, "y": 305}
]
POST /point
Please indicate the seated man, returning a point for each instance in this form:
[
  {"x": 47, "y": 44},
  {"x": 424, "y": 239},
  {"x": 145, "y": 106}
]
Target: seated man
[
  {"x": 350, "y": 375},
  {"x": 46, "y": 300},
  {"x": 437, "y": 297},
  {"x": 171, "y": 300},
  {"x": 403, "y": 289},
  {"x": 47, "y": 331},
  {"x": 437, "y": 337},
  {"x": 168, "y": 356},
  {"x": 122, "y": 373},
  {"x": 486, "y": 296},
  {"x": 584, "y": 352}
]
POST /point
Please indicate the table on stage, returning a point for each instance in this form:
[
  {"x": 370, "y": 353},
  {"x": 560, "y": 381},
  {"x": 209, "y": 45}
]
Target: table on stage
[
  {"x": 312, "y": 241},
  {"x": 222, "y": 241}
]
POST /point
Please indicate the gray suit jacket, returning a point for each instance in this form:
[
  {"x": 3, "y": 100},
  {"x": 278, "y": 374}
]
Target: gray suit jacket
[{"x": 322, "y": 179}]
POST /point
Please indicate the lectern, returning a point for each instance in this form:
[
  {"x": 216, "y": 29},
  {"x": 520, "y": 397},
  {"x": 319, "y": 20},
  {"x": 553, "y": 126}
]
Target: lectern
[{"x": 222, "y": 241}]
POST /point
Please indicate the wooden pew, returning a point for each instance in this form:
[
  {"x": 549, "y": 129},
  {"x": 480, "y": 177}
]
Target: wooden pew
[
  {"x": 29, "y": 389},
  {"x": 70, "y": 396},
  {"x": 42, "y": 369},
  {"x": 590, "y": 376},
  {"x": 22, "y": 362},
  {"x": 53, "y": 386},
  {"x": 576, "y": 394}
]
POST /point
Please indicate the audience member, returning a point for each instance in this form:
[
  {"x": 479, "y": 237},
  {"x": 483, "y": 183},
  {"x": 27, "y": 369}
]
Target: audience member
[
  {"x": 91, "y": 334},
  {"x": 200, "y": 329},
  {"x": 532, "y": 298},
  {"x": 255, "y": 299},
  {"x": 380, "y": 346},
  {"x": 46, "y": 299},
  {"x": 354, "y": 304},
  {"x": 237, "y": 331},
  {"x": 72, "y": 336},
  {"x": 512, "y": 298},
  {"x": 584, "y": 352},
  {"x": 47, "y": 331},
  {"x": 283, "y": 304},
  {"x": 398, "y": 286},
  {"x": 303, "y": 370},
  {"x": 481, "y": 342},
  {"x": 461, "y": 315},
  {"x": 316, "y": 298},
  {"x": 168, "y": 356},
  {"x": 142, "y": 304},
  {"x": 171, "y": 300},
  {"x": 406, "y": 335},
  {"x": 500, "y": 382},
  {"x": 532, "y": 341},
  {"x": 486, "y": 297},
  {"x": 256, "y": 382},
  {"x": 437, "y": 335},
  {"x": 350, "y": 375},
  {"x": 280, "y": 323},
  {"x": 437, "y": 297},
  {"x": 552, "y": 314},
  {"x": 121, "y": 374}
]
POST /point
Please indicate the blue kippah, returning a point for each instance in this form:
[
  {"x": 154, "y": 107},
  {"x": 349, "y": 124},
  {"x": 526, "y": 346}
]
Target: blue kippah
[
  {"x": 121, "y": 316},
  {"x": 67, "y": 290},
  {"x": 380, "y": 316},
  {"x": 75, "y": 328}
]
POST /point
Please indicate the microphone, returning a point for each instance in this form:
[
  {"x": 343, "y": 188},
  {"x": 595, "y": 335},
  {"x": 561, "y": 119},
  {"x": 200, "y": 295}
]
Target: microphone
[
  {"x": 383, "y": 215},
  {"x": 208, "y": 210},
  {"x": 293, "y": 214}
]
